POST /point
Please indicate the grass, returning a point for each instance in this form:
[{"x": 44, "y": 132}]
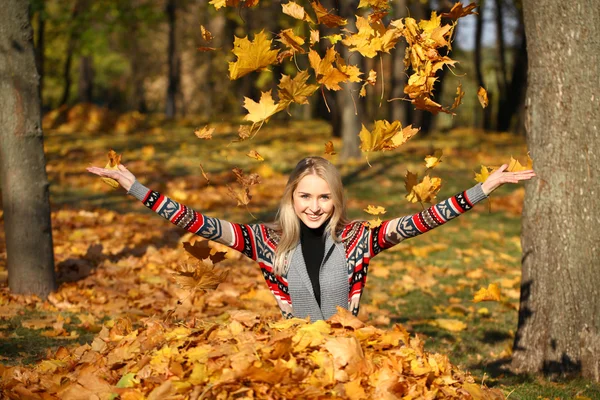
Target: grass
[{"x": 477, "y": 249}]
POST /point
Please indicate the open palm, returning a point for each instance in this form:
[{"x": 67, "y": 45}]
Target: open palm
[{"x": 122, "y": 175}]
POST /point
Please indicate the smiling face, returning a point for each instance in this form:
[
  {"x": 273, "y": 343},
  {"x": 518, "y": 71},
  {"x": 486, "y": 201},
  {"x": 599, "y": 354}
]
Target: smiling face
[{"x": 313, "y": 202}]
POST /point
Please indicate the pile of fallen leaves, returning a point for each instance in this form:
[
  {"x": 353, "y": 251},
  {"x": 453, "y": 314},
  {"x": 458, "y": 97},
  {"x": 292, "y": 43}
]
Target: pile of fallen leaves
[{"x": 243, "y": 355}]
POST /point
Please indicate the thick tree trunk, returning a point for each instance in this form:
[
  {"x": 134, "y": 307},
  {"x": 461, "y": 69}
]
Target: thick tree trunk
[
  {"x": 173, "y": 61},
  {"x": 348, "y": 100},
  {"x": 22, "y": 163},
  {"x": 39, "y": 48},
  {"x": 559, "y": 316},
  {"x": 399, "y": 108}
]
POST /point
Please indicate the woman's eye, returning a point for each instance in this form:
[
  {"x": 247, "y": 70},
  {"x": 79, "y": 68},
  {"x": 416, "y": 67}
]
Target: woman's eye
[
  {"x": 304, "y": 196},
  {"x": 325, "y": 197}
]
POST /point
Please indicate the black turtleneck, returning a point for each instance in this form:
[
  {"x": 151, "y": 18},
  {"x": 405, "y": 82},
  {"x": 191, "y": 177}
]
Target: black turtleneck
[{"x": 313, "y": 250}]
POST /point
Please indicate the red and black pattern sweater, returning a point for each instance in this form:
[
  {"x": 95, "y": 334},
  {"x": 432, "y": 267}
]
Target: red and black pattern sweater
[{"x": 258, "y": 242}]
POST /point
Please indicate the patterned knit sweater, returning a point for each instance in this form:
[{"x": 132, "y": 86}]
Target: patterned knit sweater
[{"x": 258, "y": 242}]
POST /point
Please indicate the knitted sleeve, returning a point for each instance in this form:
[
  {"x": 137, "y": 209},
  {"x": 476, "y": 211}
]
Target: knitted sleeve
[
  {"x": 242, "y": 238},
  {"x": 392, "y": 232}
]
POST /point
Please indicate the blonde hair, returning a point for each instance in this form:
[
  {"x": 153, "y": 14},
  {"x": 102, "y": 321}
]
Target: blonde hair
[{"x": 288, "y": 223}]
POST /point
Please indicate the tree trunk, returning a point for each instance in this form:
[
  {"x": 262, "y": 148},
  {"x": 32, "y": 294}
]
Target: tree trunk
[
  {"x": 22, "y": 163},
  {"x": 173, "y": 61},
  {"x": 487, "y": 123},
  {"x": 559, "y": 316},
  {"x": 399, "y": 108},
  {"x": 39, "y": 48},
  {"x": 348, "y": 100},
  {"x": 86, "y": 79}
]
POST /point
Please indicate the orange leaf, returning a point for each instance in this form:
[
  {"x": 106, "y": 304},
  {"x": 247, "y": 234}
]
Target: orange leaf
[
  {"x": 483, "y": 97},
  {"x": 492, "y": 293}
]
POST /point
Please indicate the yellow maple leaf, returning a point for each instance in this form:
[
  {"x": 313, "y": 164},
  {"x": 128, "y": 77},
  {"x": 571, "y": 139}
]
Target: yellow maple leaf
[
  {"x": 515, "y": 165},
  {"x": 296, "y": 90},
  {"x": 374, "y": 210},
  {"x": 385, "y": 136},
  {"x": 425, "y": 191},
  {"x": 491, "y": 293},
  {"x": 204, "y": 133},
  {"x": 432, "y": 161},
  {"x": 483, "y": 175},
  {"x": 372, "y": 38},
  {"x": 292, "y": 41},
  {"x": 483, "y": 97},
  {"x": 114, "y": 160},
  {"x": 410, "y": 180},
  {"x": 262, "y": 110},
  {"x": 325, "y": 17},
  {"x": 314, "y": 36},
  {"x": 295, "y": 10},
  {"x": 252, "y": 55},
  {"x": 327, "y": 74}
]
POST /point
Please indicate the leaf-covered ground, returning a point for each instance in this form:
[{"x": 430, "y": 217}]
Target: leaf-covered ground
[{"x": 115, "y": 328}]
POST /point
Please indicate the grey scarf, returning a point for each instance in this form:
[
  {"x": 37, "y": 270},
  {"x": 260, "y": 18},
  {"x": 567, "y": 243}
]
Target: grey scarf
[{"x": 333, "y": 278}]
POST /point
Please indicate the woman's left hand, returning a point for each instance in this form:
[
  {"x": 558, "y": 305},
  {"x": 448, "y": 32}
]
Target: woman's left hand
[{"x": 499, "y": 177}]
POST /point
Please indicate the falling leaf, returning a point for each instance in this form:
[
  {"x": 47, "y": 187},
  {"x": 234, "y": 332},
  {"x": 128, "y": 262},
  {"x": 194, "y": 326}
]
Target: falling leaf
[
  {"x": 374, "y": 210},
  {"x": 204, "y": 49},
  {"x": 201, "y": 250},
  {"x": 295, "y": 10},
  {"x": 114, "y": 160},
  {"x": 372, "y": 39},
  {"x": 423, "y": 192},
  {"x": 483, "y": 97},
  {"x": 385, "y": 136},
  {"x": 458, "y": 11},
  {"x": 204, "y": 133},
  {"x": 244, "y": 132},
  {"x": 204, "y": 174},
  {"x": 254, "y": 154},
  {"x": 432, "y": 161},
  {"x": 325, "y": 17},
  {"x": 292, "y": 41},
  {"x": 242, "y": 196},
  {"x": 459, "y": 96},
  {"x": 206, "y": 35},
  {"x": 296, "y": 90},
  {"x": 251, "y": 55},
  {"x": 492, "y": 293},
  {"x": 233, "y": 3},
  {"x": 327, "y": 74},
  {"x": 371, "y": 80},
  {"x": 246, "y": 180},
  {"x": 329, "y": 148},
  {"x": 314, "y": 36},
  {"x": 373, "y": 223},
  {"x": 261, "y": 111}
]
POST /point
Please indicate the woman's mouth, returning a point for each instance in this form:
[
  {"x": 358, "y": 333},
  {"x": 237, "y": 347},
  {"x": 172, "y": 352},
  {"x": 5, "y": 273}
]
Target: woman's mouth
[{"x": 313, "y": 217}]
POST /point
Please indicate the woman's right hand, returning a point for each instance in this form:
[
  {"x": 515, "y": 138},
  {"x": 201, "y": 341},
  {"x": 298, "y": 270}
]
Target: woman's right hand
[{"x": 122, "y": 175}]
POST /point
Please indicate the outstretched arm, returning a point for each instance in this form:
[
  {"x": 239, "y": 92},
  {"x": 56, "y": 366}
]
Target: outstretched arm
[
  {"x": 237, "y": 236},
  {"x": 396, "y": 230}
]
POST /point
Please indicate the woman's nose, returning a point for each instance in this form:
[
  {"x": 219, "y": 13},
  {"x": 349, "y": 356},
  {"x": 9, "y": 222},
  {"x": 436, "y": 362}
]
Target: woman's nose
[{"x": 314, "y": 206}]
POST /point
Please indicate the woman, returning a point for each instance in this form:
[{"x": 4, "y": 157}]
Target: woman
[{"x": 312, "y": 257}]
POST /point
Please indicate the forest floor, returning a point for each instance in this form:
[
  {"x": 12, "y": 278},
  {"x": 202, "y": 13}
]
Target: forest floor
[{"x": 114, "y": 258}]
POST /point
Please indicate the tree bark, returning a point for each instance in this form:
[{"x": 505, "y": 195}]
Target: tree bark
[
  {"x": 173, "y": 61},
  {"x": 559, "y": 316},
  {"x": 22, "y": 163},
  {"x": 39, "y": 48},
  {"x": 348, "y": 100}
]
